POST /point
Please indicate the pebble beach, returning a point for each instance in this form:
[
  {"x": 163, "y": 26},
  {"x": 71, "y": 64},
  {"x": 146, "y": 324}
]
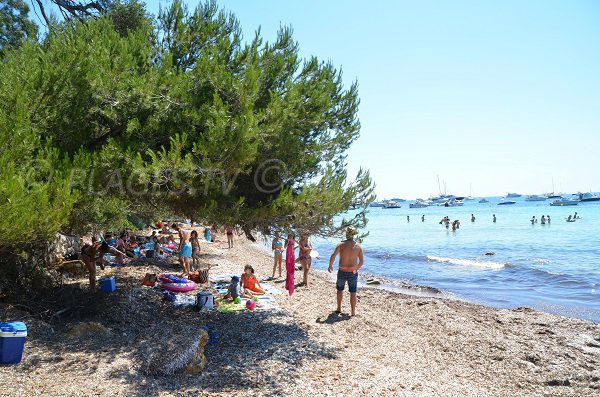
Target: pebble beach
[{"x": 397, "y": 345}]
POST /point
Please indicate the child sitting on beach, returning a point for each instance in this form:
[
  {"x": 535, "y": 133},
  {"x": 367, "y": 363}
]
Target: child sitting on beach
[
  {"x": 250, "y": 283},
  {"x": 233, "y": 291}
]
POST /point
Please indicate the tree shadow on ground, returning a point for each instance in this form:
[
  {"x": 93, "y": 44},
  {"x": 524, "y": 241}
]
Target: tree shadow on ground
[{"x": 254, "y": 350}]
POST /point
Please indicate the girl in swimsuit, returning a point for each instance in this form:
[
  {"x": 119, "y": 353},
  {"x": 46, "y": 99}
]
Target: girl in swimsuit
[
  {"x": 250, "y": 283},
  {"x": 305, "y": 259},
  {"x": 195, "y": 248},
  {"x": 277, "y": 247}
]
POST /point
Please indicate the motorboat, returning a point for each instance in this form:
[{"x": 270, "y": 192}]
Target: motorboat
[
  {"x": 553, "y": 196},
  {"x": 564, "y": 202},
  {"x": 419, "y": 204},
  {"x": 453, "y": 203},
  {"x": 535, "y": 197},
  {"x": 507, "y": 202},
  {"x": 513, "y": 195},
  {"x": 391, "y": 204},
  {"x": 587, "y": 197},
  {"x": 377, "y": 204},
  {"x": 483, "y": 201}
]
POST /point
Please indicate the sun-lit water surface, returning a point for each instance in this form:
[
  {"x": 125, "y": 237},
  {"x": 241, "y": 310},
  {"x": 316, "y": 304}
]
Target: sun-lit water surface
[{"x": 553, "y": 267}]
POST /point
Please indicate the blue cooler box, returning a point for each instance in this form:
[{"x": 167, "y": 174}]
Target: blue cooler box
[
  {"x": 108, "y": 284},
  {"x": 12, "y": 341}
]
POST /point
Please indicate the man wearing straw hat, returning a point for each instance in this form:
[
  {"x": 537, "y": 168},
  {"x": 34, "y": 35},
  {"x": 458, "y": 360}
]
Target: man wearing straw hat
[{"x": 351, "y": 259}]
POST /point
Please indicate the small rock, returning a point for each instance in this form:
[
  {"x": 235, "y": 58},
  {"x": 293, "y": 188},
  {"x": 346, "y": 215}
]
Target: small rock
[
  {"x": 533, "y": 358},
  {"x": 556, "y": 382}
]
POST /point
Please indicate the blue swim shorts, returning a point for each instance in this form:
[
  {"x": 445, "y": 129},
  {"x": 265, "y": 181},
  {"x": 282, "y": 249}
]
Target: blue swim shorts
[
  {"x": 350, "y": 277},
  {"x": 186, "y": 251}
]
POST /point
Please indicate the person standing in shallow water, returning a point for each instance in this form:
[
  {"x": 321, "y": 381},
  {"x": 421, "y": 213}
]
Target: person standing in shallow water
[
  {"x": 351, "y": 260},
  {"x": 494, "y": 218},
  {"x": 422, "y": 218}
]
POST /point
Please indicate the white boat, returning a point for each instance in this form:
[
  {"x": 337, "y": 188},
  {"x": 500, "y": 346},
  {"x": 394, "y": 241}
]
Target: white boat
[
  {"x": 506, "y": 202},
  {"x": 377, "y": 204},
  {"x": 553, "y": 195},
  {"x": 513, "y": 195},
  {"x": 483, "y": 201},
  {"x": 470, "y": 196},
  {"x": 391, "y": 204},
  {"x": 453, "y": 203},
  {"x": 563, "y": 202},
  {"x": 418, "y": 204},
  {"x": 535, "y": 197},
  {"x": 586, "y": 197}
]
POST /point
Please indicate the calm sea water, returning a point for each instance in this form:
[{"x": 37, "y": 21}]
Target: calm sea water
[{"x": 553, "y": 267}]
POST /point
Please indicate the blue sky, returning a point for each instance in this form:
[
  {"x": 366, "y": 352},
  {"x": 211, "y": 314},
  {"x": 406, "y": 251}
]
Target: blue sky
[{"x": 500, "y": 95}]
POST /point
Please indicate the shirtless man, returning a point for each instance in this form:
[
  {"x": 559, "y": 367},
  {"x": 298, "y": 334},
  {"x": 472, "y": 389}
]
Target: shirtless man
[{"x": 351, "y": 260}]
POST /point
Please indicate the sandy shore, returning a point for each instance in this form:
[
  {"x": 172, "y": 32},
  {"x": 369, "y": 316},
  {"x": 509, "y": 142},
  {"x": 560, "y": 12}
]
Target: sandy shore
[{"x": 399, "y": 345}]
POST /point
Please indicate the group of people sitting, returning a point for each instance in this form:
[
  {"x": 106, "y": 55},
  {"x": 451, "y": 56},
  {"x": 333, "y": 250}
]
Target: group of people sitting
[
  {"x": 246, "y": 286},
  {"x": 127, "y": 246}
]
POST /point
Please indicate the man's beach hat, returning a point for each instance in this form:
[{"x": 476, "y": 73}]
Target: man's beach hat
[{"x": 350, "y": 233}]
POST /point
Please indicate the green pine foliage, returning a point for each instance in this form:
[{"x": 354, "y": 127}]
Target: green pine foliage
[
  {"x": 15, "y": 25},
  {"x": 130, "y": 114}
]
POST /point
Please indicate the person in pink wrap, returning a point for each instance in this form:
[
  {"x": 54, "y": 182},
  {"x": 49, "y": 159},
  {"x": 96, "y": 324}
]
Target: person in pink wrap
[{"x": 290, "y": 263}]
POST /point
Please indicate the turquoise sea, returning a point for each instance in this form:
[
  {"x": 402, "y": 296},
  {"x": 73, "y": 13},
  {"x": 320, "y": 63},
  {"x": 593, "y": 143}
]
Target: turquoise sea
[{"x": 553, "y": 267}]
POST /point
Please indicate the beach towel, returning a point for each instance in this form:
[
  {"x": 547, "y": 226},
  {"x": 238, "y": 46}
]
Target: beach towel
[
  {"x": 290, "y": 261},
  {"x": 265, "y": 303}
]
